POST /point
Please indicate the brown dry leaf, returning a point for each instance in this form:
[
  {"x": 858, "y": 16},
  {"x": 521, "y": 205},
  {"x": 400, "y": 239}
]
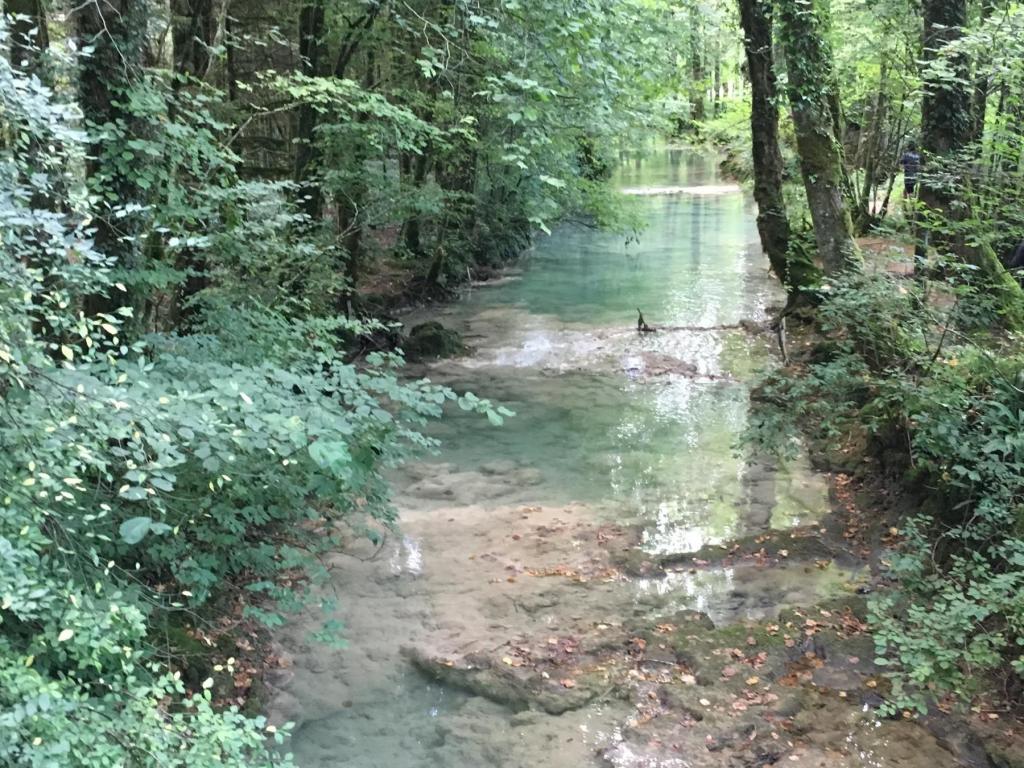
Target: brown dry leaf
[
  {"x": 729, "y": 671},
  {"x": 753, "y": 680},
  {"x": 568, "y": 683},
  {"x": 871, "y": 683}
]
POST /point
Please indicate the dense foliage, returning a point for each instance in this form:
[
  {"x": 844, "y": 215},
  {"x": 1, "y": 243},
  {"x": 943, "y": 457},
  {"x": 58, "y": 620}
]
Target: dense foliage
[
  {"x": 920, "y": 377},
  {"x": 203, "y": 203},
  {"x": 940, "y": 410}
]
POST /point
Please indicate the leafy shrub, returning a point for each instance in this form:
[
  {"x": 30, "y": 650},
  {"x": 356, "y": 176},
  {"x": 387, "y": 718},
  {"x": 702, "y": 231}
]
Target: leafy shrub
[
  {"x": 945, "y": 411},
  {"x": 141, "y": 476}
]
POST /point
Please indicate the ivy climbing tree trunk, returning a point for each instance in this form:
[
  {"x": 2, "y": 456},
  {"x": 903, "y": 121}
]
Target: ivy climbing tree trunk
[
  {"x": 772, "y": 219},
  {"x": 116, "y": 31},
  {"x": 29, "y": 33},
  {"x": 811, "y": 91}
]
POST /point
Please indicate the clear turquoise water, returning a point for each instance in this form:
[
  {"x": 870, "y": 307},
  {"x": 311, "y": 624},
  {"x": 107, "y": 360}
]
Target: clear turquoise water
[
  {"x": 559, "y": 346},
  {"x": 638, "y": 428}
]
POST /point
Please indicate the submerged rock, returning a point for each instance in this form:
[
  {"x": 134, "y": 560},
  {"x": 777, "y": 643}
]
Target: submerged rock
[
  {"x": 431, "y": 341},
  {"x": 517, "y": 688}
]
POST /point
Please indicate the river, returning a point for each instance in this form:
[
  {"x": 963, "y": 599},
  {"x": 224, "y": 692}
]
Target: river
[{"x": 515, "y": 538}]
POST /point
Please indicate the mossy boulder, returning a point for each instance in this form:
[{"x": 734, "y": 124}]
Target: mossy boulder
[{"x": 432, "y": 341}]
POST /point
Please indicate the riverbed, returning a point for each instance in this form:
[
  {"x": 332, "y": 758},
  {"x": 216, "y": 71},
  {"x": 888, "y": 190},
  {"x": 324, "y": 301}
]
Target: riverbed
[{"x": 523, "y": 615}]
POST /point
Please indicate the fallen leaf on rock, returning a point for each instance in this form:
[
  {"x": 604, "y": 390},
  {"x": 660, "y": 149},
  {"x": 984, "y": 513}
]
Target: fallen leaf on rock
[{"x": 753, "y": 680}]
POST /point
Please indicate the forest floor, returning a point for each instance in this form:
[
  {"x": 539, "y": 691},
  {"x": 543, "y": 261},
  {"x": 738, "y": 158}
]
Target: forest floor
[{"x": 886, "y": 253}]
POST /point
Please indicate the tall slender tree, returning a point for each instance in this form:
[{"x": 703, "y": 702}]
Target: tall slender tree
[{"x": 311, "y": 33}]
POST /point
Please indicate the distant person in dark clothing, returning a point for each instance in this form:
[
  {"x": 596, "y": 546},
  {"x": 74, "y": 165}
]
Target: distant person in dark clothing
[
  {"x": 1017, "y": 259},
  {"x": 911, "y": 162}
]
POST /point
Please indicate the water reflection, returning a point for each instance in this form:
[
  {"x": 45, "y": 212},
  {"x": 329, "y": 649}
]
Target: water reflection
[{"x": 638, "y": 428}]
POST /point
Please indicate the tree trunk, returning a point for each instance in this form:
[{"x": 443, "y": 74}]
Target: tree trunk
[
  {"x": 871, "y": 148},
  {"x": 946, "y": 129},
  {"x": 413, "y": 225},
  {"x": 195, "y": 33},
  {"x": 979, "y": 98},
  {"x": 697, "y": 84},
  {"x": 29, "y": 34},
  {"x": 811, "y": 91},
  {"x": 307, "y": 156},
  {"x": 772, "y": 219},
  {"x": 116, "y": 30}
]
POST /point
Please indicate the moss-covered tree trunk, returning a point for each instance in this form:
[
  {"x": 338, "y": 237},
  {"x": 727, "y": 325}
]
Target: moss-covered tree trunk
[
  {"x": 811, "y": 91},
  {"x": 772, "y": 219},
  {"x": 947, "y": 128}
]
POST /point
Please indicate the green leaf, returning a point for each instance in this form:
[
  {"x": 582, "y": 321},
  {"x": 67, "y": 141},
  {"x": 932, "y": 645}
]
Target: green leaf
[{"x": 135, "y": 529}]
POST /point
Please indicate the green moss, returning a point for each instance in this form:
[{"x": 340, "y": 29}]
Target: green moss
[{"x": 431, "y": 341}]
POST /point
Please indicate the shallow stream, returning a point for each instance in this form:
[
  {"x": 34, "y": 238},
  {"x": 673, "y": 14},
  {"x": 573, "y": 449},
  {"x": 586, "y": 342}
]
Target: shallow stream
[{"x": 619, "y": 436}]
